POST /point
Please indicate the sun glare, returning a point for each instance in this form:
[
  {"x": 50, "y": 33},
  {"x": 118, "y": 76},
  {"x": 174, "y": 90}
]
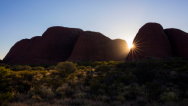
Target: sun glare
[
  {"x": 130, "y": 46},
  {"x": 129, "y": 42}
]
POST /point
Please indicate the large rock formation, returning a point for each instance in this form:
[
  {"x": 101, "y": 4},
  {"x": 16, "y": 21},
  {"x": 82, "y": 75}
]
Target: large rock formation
[
  {"x": 150, "y": 41},
  {"x": 116, "y": 50},
  {"x": 55, "y": 45},
  {"x": 58, "y": 43},
  {"x": 179, "y": 42},
  {"x": 94, "y": 46}
]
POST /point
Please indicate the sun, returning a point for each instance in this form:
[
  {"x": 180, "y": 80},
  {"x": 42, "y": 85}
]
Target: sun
[{"x": 130, "y": 44}]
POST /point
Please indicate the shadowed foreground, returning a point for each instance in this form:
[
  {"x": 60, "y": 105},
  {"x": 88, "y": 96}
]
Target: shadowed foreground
[{"x": 141, "y": 83}]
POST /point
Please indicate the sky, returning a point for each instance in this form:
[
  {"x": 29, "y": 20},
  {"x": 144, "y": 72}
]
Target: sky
[{"x": 116, "y": 19}]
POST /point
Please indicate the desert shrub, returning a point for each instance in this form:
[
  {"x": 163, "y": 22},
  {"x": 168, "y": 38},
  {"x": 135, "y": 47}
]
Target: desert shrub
[
  {"x": 4, "y": 97},
  {"x": 166, "y": 66},
  {"x": 2, "y": 64},
  {"x": 19, "y": 97},
  {"x": 80, "y": 95},
  {"x": 88, "y": 79},
  {"x": 37, "y": 98},
  {"x": 4, "y": 72},
  {"x": 149, "y": 64},
  {"x": 89, "y": 68},
  {"x": 100, "y": 63},
  {"x": 121, "y": 98},
  {"x": 125, "y": 65},
  {"x": 80, "y": 76},
  {"x": 47, "y": 93},
  {"x": 26, "y": 67},
  {"x": 51, "y": 67},
  {"x": 101, "y": 91},
  {"x": 17, "y": 68},
  {"x": 81, "y": 67},
  {"x": 43, "y": 91},
  {"x": 144, "y": 74},
  {"x": 95, "y": 85},
  {"x": 126, "y": 79},
  {"x": 39, "y": 68},
  {"x": 181, "y": 69},
  {"x": 25, "y": 74},
  {"x": 153, "y": 89},
  {"x": 16, "y": 77},
  {"x": 20, "y": 88},
  {"x": 102, "y": 68},
  {"x": 103, "y": 98},
  {"x": 112, "y": 63},
  {"x": 65, "y": 68},
  {"x": 142, "y": 100},
  {"x": 85, "y": 63},
  {"x": 64, "y": 90},
  {"x": 55, "y": 72},
  {"x": 131, "y": 91},
  {"x": 5, "y": 79},
  {"x": 115, "y": 103},
  {"x": 38, "y": 77},
  {"x": 5, "y": 65},
  {"x": 168, "y": 96}
]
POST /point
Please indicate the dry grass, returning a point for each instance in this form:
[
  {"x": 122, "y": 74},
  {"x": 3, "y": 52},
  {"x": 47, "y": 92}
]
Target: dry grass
[{"x": 59, "y": 102}]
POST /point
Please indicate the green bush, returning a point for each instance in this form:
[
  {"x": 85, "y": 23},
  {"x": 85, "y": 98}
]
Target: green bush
[{"x": 65, "y": 68}]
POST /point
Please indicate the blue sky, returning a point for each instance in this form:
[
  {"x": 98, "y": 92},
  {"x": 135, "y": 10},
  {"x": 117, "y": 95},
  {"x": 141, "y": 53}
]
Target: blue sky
[{"x": 20, "y": 19}]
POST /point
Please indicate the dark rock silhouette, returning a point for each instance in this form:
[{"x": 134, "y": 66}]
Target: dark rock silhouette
[
  {"x": 179, "y": 42},
  {"x": 150, "y": 41},
  {"x": 70, "y": 44},
  {"x": 1, "y": 61},
  {"x": 94, "y": 46},
  {"x": 117, "y": 50},
  {"x": 56, "y": 44},
  {"x": 88, "y": 47}
]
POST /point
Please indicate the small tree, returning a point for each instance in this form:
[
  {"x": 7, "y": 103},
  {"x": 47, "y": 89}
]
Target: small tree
[{"x": 65, "y": 68}]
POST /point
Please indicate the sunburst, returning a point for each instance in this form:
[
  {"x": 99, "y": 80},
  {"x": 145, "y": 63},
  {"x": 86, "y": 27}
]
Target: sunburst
[{"x": 135, "y": 50}]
